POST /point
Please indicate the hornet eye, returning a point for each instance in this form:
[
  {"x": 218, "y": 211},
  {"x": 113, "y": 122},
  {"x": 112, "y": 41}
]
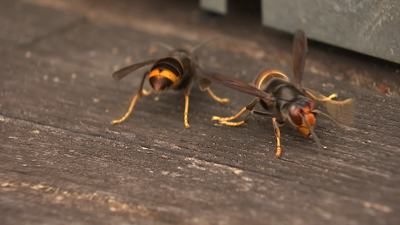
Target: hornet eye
[{"x": 294, "y": 114}]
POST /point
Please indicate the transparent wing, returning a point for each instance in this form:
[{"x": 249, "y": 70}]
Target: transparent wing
[
  {"x": 235, "y": 84},
  {"x": 119, "y": 74},
  {"x": 342, "y": 111},
  {"x": 299, "y": 55}
]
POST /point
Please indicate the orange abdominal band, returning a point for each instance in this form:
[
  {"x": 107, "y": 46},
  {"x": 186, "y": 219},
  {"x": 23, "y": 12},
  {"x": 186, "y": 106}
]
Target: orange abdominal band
[{"x": 164, "y": 73}]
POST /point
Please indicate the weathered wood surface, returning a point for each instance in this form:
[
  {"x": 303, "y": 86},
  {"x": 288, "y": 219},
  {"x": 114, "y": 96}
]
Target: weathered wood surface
[{"x": 61, "y": 161}]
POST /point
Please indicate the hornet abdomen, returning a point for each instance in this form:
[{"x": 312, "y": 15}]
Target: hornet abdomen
[{"x": 166, "y": 73}]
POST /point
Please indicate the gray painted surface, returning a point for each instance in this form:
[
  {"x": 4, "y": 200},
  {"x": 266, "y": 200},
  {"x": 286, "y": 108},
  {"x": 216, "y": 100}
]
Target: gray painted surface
[
  {"x": 370, "y": 27},
  {"x": 217, "y": 6}
]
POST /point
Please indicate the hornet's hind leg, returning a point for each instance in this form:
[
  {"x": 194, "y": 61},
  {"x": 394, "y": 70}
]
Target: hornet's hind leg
[
  {"x": 187, "y": 92},
  {"x": 185, "y": 118},
  {"x": 138, "y": 95}
]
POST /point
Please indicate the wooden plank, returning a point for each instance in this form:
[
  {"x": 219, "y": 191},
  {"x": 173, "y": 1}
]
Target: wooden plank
[
  {"x": 62, "y": 162},
  {"x": 25, "y": 24}
]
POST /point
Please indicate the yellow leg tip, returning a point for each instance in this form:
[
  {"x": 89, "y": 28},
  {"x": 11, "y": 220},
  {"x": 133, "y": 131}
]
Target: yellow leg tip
[
  {"x": 215, "y": 118},
  {"x": 187, "y": 125},
  {"x": 224, "y": 100},
  {"x": 233, "y": 124},
  {"x": 129, "y": 111},
  {"x": 215, "y": 97},
  {"x": 278, "y": 152},
  {"x": 147, "y": 92},
  {"x": 115, "y": 122},
  {"x": 332, "y": 96}
]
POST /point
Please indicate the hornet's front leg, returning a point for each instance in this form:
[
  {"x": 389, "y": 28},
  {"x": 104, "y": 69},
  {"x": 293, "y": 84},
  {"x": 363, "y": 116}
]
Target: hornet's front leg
[
  {"x": 216, "y": 98},
  {"x": 205, "y": 86},
  {"x": 278, "y": 137},
  {"x": 226, "y": 119}
]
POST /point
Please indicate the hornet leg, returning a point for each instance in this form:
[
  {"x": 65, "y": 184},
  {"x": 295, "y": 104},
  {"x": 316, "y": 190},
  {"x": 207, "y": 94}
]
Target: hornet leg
[
  {"x": 139, "y": 94},
  {"x": 323, "y": 99},
  {"x": 185, "y": 119},
  {"x": 187, "y": 92},
  {"x": 278, "y": 137},
  {"x": 147, "y": 92},
  {"x": 249, "y": 107},
  {"x": 216, "y": 97}
]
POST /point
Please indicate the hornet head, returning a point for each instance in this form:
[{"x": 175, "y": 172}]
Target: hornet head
[{"x": 302, "y": 116}]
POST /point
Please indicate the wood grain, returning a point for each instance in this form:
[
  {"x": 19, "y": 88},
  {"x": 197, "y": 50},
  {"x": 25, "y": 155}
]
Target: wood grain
[{"x": 62, "y": 162}]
